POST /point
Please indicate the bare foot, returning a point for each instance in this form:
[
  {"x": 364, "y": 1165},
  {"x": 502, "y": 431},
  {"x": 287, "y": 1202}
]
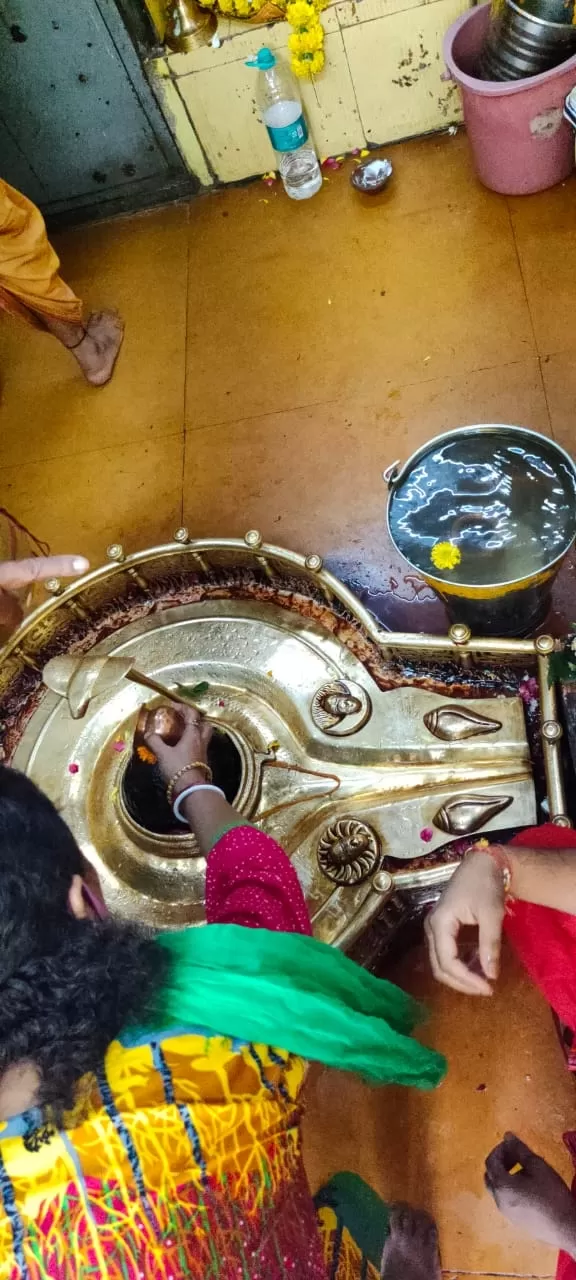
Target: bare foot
[
  {"x": 411, "y": 1250},
  {"x": 97, "y": 352}
]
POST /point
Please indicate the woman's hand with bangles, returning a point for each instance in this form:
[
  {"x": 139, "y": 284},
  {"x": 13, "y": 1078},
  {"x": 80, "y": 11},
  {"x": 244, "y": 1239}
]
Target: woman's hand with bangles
[
  {"x": 192, "y": 747},
  {"x": 474, "y": 896}
]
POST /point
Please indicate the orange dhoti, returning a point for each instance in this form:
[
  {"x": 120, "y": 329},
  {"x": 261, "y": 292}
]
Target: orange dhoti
[{"x": 30, "y": 286}]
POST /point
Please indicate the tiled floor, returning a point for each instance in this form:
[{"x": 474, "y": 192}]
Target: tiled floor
[
  {"x": 277, "y": 357},
  {"x": 505, "y": 1072}
]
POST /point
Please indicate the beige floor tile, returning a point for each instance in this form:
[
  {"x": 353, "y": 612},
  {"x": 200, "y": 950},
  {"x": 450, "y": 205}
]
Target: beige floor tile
[
  {"x": 505, "y": 1071},
  {"x": 311, "y": 478},
  {"x": 47, "y": 410},
  {"x": 393, "y": 52},
  {"x": 287, "y": 310},
  {"x": 130, "y": 494},
  {"x": 234, "y": 141},
  {"x": 545, "y": 230}
]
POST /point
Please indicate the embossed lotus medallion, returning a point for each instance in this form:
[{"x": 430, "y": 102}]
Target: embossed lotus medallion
[{"x": 348, "y": 851}]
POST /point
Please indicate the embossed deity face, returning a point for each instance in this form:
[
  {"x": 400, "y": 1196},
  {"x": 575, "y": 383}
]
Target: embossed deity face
[{"x": 338, "y": 704}]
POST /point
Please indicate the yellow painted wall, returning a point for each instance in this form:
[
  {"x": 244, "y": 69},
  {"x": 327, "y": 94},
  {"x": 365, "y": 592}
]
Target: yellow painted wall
[{"x": 382, "y": 82}]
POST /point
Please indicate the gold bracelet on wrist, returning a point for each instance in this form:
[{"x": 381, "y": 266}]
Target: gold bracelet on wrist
[{"x": 194, "y": 764}]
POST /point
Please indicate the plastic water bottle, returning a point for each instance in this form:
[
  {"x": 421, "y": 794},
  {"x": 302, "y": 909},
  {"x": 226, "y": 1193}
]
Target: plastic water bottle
[{"x": 281, "y": 108}]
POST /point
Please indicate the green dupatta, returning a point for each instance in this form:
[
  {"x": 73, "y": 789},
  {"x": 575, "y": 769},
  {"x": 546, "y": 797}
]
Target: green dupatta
[{"x": 294, "y": 993}]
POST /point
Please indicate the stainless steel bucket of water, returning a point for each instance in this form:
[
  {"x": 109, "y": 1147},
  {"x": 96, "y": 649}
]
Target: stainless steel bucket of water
[
  {"x": 527, "y": 39},
  {"x": 486, "y": 515}
]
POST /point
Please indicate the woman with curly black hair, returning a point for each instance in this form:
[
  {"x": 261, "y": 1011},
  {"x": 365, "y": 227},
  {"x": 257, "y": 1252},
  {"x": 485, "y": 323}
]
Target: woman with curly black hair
[{"x": 147, "y": 1128}]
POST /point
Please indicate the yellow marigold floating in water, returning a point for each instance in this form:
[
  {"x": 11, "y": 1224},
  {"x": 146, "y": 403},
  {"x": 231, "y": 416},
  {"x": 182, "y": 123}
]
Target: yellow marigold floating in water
[
  {"x": 445, "y": 555},
  {"x": 146, "y": 756}
]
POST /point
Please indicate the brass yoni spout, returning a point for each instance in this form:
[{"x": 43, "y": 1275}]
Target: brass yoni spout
[{"x": 80, "y": 680}]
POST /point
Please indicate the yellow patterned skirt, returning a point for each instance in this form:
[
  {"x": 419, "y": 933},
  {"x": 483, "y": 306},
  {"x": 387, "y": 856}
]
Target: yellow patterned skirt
[{"x": 184, "y": 1160}]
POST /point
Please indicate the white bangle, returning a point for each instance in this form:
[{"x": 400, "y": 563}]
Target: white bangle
[{"x": 196, "y": 786}]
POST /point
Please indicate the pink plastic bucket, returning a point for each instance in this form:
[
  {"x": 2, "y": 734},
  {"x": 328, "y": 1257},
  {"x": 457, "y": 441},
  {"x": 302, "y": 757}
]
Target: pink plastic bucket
[{"x": 520, "y": 141}]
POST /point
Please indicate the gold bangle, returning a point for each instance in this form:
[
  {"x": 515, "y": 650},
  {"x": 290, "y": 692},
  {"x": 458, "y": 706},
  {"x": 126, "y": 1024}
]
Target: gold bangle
[{"x": 194, "y": 764}]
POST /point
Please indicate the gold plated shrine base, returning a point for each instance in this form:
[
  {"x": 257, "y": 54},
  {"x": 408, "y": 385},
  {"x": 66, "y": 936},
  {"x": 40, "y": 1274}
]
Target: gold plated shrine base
[{"x": 364, "y": 771}]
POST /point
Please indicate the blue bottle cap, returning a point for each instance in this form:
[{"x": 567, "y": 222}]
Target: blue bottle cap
[{"x": 264, "y": 60}]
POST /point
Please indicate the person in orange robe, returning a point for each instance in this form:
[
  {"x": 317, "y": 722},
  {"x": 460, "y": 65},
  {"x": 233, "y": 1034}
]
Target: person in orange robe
[{"x": 31, "y": 289}]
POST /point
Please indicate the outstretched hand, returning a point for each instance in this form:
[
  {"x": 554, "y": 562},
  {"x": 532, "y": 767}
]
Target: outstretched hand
[
  {"x": 535, "y": 1197},
  {"x": 192, "y": 745},
  {"x": 17, "y": 574},
  {"x": 474, "y": 896}
]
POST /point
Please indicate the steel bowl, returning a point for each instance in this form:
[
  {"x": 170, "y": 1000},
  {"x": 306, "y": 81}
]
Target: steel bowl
[{"x": 372, "y": 176}]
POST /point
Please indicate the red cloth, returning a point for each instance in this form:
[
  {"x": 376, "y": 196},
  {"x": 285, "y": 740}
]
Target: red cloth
[
  {"x": 545, "y": 941},
  {"x": 251, "y": 881}
]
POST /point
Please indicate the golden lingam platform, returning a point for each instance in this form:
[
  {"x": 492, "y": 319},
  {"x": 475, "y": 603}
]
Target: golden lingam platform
[{"x": 365, "y": 753}]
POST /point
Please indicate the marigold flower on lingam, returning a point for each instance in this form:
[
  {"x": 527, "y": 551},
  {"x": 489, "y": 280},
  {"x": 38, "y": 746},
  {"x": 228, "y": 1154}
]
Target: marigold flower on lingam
[{"x": 445, "y": 555}]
